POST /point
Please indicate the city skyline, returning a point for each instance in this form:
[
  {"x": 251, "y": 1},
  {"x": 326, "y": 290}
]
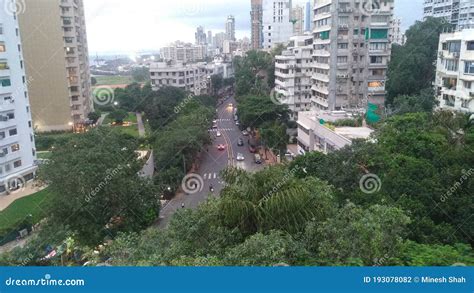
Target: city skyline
[{"x": 184, "y": 16}]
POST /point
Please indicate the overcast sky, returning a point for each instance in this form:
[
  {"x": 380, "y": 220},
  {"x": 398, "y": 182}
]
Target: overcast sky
[{"x": 127, "y": 26}]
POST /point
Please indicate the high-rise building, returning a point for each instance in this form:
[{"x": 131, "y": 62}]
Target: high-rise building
[
  {"x": 57, "y": 62},
  {"x": 397, "y": 35},
  {"x": 351, "y": 53},
  {"x": 219, "y": 39},
  {"x": 293, "y": 71},
  {"x": 277, "y": 26},
  {"x": 457, "y": 12},
  {"x": 209, "y": 38},
  {"x": 230, "y": 28},
  {"x": 200, "y": 36},
  {"x": 297, "y": 18},
  {"x": 455, "y": 71},
  {"x": 17, "y": 149},
  {"x": 308, "y": 15},
  {"x": 183, "y": 52},
  {"x": 256, "y": 24}
]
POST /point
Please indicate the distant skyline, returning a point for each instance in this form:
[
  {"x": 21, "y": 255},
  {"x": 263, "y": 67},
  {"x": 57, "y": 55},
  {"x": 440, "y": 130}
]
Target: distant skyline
[{"x": 126, "y": 26}]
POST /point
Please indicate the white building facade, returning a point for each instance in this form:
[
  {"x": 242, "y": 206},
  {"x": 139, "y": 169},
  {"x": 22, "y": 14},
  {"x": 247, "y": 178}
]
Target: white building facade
[
  {"x": 457, "y": 12},
  {"x": 293, "y": 72},
  {"x": 17, "y": 149},
  {"x": 315, "y": 132},
  {"x": 455, "y": 71},
  {"x": 276, "y": 20},
  {"x": 351, "y": 54}
]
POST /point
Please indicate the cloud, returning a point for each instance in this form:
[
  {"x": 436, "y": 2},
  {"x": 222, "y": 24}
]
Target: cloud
[{"x": 141, "y": 25}]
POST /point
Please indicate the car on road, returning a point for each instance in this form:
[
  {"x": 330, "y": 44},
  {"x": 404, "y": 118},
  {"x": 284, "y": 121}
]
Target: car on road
[
  {"x": 240, "y": 157},
  {"x": 218, "y": 134},
  {"x": 221, "y": 147},
  {"x": 252, "y": 149},
  {"x": 245, "y": 133},
  {"x": 257, "y": 159},
  {"x": 237, "y": 123},
  {"x": 240, "y": 142}
]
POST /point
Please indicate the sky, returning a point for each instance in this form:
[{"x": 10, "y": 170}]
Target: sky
[{"x": 126, "y": 26}]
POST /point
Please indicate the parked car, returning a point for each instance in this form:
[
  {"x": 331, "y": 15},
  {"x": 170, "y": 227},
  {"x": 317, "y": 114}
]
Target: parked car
[
  {"x": 258, "y": 159},
  {"x": 240, "y": 157},
  {"x": 218, "y": 134},
  {"x": 221, "y": 147},
  {"x": 240, "y": 142},
  {"x": 237, "y": 123},
  {"x": 245, "y": 133}
]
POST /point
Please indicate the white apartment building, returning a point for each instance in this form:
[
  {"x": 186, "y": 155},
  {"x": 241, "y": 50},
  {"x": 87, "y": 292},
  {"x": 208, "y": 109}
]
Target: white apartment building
[
  {"x": 293, "y": 72},
  {"x": 297, "y": 18},
  {"x": 194, "y": 78},
  {"x": 184, "y": 53},
  {"x": 457, "y": 12},
  {"x": 230, "y": 28},
  {"x": 17, "y": 149},
  {"x": 351, "y": 54},
  {"x": 315, "y": 132},
  {"x": 276, "y": 20},
  {"x": 397, "y": 35},
  {"x": 455, "y": 71}
]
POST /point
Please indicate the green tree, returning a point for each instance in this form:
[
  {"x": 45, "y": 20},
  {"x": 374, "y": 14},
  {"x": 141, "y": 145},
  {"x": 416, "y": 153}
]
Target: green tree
[
  {"x": 274, "y": 136},
  {"x": 94, "y": 116},
  {"x": 118, "y": 116},
  {"x": 98, "y": 191},
  {"x": 361, "y": 234},
  {"x": 140, "y": 74},
  {"x": 425, "y": 101},
  {"x": 253, "y": 111},
  {"x": 412, "y": 66}
]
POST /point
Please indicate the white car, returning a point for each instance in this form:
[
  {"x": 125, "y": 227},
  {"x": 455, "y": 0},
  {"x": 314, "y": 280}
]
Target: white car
[
  {"x": 240, "y": 157},
  {"x": 218, "y": 134}
]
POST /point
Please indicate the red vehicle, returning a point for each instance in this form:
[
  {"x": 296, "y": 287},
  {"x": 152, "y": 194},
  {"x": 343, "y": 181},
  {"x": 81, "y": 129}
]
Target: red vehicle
[
  {"x": 252, "y": 149},
  {"x": 221, "y": 147}
]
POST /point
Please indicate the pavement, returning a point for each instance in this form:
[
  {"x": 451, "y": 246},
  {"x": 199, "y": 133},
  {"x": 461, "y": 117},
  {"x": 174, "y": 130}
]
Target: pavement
[
  {"x": 141, "y": 126},
  {"x": 101, "y": 119},
  {"x": 213, "y": 162}
]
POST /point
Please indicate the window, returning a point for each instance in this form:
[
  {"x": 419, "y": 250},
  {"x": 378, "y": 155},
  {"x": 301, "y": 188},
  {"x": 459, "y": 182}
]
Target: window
[
  {"x": 342, "y": 45},
  {"x": 2, "y": 47},
  {"x": 17, "y": 164},
  {"x": 13, "y": 132},
  {"x": 470, "y": 46},
  {"x": 378, "y": 33},
  {"x": 5, "y": 81},
  {"x": 342, "y": 59},
  {"x": 451, "y": 65},
  {"x": 467, "y": 84},
  {"x": 377, "y": 46},
  {"x": 11, "y": 116},
  {"x": 376, "y": 59},
  {"x": 454, "y": 47},
  {"x": 469, "y": 67},
  {"x": 15, "y": 148}
]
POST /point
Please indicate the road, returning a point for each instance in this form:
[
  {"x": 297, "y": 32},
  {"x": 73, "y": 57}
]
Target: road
[{"x": 214, "y": 161}]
